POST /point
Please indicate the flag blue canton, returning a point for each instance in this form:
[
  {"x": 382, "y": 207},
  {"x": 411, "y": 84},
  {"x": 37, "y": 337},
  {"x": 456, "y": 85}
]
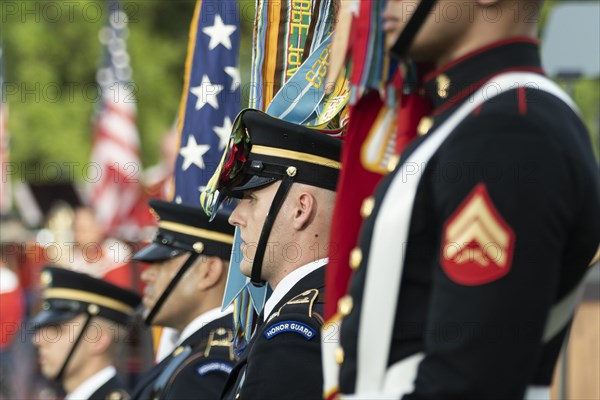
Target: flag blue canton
[{"x": 211, "y": 98}]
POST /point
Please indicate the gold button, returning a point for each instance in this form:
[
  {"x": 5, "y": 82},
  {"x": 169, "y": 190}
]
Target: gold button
[
  {"x": 345, "y": 305},
  {"x": 339, "y": 355},
  {"x": 291, "y": 171},
  {"x": 93, "y": 309},
  {"x": 355, "y": 257},
  {"x": 443, "y": 85},
  {"x": 46, "y": 278},
  {"x": 424, "y": 126},
  {"x": 198, "y": 247},
  {"x": 367, "y": 207},
  {"x": 177, "y": 351},
  {"x": 393, "y": 163}
]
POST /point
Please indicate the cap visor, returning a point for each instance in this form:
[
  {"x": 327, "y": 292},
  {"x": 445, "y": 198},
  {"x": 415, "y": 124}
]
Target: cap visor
[
  {"x": 51, "y": 317},
  {"x": 155, "y": 252},
  {"x": 254, "y": 183}
]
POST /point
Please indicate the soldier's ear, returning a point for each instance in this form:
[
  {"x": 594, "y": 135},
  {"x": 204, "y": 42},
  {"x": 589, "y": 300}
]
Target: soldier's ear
[
  {"x": 100, "y": 337},
  {"x": 304, "y": 209},
  {"x": 210, "y": 271}
]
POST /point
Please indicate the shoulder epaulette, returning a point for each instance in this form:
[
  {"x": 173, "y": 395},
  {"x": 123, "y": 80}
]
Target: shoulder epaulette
[
  {"x": 220, "y": 337},
  {"x": 301, "y": 304}
]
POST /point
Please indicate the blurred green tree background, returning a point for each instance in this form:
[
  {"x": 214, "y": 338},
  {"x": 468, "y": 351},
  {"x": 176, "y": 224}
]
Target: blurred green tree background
[{"x": 51, "y": 53}]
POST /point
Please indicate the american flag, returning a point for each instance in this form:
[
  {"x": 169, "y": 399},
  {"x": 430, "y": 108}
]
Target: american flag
[
  {"x": 5, "y": 192},
  {"x": 115, "y": 153},
  {"x": 211, "y": 96},
  {"x": 209, "y": 104}
]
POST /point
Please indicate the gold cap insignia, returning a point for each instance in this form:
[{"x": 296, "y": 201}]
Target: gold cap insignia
[
  {"x": 93, "y": 309},
  {"x": 198, "y": 247}
]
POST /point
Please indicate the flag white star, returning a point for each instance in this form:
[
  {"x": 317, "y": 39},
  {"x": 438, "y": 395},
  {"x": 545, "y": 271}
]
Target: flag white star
[
  {"x": 219, "y": 33},
  {"x": 223, "y": 132},
  {"x": 234, "y": 73},
  {"x": 206, "y": 92},
  {"x": 192, "y": 153}
]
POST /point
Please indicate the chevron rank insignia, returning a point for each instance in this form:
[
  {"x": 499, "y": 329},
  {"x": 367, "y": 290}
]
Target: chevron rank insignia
[{"x": 478, "y": 244}]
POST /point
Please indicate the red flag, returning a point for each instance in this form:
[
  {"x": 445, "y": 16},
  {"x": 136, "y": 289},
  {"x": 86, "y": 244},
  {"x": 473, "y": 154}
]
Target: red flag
[{"x": 12, "y": 308}]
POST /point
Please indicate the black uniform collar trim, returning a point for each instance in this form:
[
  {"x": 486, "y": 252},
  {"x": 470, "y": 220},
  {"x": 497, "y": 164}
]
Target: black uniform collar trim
[{"x": 452, "y": 83}]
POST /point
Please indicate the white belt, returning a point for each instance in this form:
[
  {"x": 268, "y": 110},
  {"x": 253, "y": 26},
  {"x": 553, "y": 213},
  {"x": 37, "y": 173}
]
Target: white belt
[{"x": 400, "y": 378}]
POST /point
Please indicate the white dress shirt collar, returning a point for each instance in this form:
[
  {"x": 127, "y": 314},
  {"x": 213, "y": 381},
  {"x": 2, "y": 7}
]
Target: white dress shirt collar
[
  {"x": 288, "y": 283},
  {"x": 87, "y": 388},
  {"x": 201, "y": 321}
]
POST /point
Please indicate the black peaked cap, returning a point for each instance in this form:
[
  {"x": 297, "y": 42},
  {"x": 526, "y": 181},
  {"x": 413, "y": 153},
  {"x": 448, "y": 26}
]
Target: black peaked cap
[
  {"x": 278, "y": 145},
  {"x": 67, "y": 294},
  {"x": 183, "y": 228}
]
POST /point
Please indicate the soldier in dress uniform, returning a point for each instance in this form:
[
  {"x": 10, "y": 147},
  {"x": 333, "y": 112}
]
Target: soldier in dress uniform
[
  {"x": 78, "y": 332},
  {"x": 184, "y": 288},
  {"x": 285, "y": 176},
  {"x": 472, "y": 249}
]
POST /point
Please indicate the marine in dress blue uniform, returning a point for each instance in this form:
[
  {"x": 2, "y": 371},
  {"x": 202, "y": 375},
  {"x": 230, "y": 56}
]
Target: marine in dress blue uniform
[
  {"x": 67, "y": 296},
  {"x": 203, "y": 357},
  {"x": 288, "y": 173},
  {"x": 501, "y": 232}
]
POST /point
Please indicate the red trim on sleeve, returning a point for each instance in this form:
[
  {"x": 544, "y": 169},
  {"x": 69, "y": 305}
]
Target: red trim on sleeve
[{"x": 522, "y": 100}]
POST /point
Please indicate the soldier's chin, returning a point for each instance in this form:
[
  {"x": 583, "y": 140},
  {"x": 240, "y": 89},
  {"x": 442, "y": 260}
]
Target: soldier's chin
[
  {"x": 246, "y": 268},
  {"x": 146, "y": 312},
  {"x": 48, "y": 371},
  {"x": 390, "y": 39}
]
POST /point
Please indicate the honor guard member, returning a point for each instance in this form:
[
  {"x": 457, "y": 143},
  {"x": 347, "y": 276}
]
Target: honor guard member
[
  {"x": 468, "y": 264},
  {"x": 78, "y": 331},
  {"x": 184, "y": 289},
  {"x": 285, "y": 175}
]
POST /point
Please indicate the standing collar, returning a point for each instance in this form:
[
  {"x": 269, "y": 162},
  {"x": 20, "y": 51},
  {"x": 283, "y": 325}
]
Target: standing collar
[
  {"x": 201, "y": 321},
  {"x": 88, "y": 387},
  {"x": 288, "y": 283},
  {"x": 455, "y": 81}
]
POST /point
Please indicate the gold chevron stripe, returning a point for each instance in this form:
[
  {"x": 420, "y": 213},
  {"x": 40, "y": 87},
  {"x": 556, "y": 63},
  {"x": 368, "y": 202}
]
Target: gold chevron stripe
[{"x": 476, "y": 222}]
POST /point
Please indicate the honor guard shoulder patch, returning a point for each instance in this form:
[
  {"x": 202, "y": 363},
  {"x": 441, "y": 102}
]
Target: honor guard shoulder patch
[
  {"x": 478, "y": 244},
  {"x": 290, "y": 326},
  {"x": 214, "y": 367}
]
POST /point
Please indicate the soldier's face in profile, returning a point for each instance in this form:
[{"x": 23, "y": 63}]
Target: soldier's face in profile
[
  {"x": 179, "y": 305},
  {"x": 440, "y": 35},
  {"x": 249, "y": 215},
  {"x": 157, "y": 277},
  {"x": 54, "y": 343}
]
